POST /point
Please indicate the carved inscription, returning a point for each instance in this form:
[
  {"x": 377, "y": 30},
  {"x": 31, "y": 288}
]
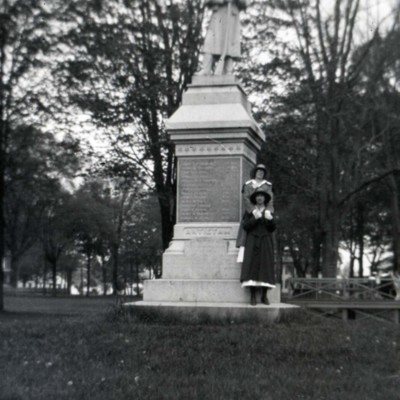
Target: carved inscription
[
  {"x": 209, "y": 189},
  {"x": 210, "y": 231},
  {"x": 212, "y": 149}
]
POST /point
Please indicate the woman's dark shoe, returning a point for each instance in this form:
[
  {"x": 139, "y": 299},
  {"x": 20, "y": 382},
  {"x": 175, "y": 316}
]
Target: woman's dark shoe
[
  {"x": 265, "y": 301},
  {"x": 253, "y": 301},
  {"x": 264, "y": 297}
]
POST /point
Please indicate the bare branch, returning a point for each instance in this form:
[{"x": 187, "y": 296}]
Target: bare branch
[
  {"x": 367, "y": 183},
  {"x": 321, "y": 36}
]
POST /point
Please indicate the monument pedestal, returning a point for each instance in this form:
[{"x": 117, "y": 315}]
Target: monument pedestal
[
  {"x": 216, "y": 140},
  {"x": 199, "y": 270}
]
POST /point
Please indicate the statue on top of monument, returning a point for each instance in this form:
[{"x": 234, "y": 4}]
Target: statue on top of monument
[{"x": 222, "y": 41}]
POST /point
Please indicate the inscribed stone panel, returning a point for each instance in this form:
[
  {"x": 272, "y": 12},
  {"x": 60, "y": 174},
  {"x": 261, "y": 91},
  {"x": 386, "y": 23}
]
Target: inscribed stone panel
[{"x": 209, "y": 189}]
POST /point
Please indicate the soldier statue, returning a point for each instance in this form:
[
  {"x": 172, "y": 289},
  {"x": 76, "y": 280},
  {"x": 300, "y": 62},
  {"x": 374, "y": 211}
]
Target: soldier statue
[{"x": 222, "y": 41}]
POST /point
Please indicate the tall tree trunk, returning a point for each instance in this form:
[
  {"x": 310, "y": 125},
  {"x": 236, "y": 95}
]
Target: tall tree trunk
[
  {"x": 1, "y": 278},
  {"x": 324, "y": 194},
  {"x": 69, "y": 281},
  {"x": 104, "y": 275},
  {"x": 88, "y": 271},
  {"x": 14, "y": 266},
  {"x": 131, "y": 276},
  {"x": 82, "y": 282},
  {"x": 392, "y": 160},
  {"x": 330, "y": 239},
  {"x": 329, "y": 161},
  {"x": 3, "y": 141},
  {"x": 137, "y": 279},
  {"x": 351, "y": 271},
  {"x": 331, "y": 254},
  {"x": 316, "y": 254},
  {"x": 298, "y": 263},
  {"x": 126, "y": 281},
  {"x": 352, "y": 248},
  {"x": 394, "y": 191},
  {"x": 115, "y": 256},
  {"x": 44, "y": 277},
  {"x": 2, "y": 247},
  {"x": 333, "y": 210},
  {"x": 167, "y": 214},
  {"x": 54, "y": 273},
  {"x": 360, "y": 238}
]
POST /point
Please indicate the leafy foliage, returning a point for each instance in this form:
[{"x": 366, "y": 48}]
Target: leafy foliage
[
  {"x": 127, "y": 65},
  {"x": 318, "y": 98}
]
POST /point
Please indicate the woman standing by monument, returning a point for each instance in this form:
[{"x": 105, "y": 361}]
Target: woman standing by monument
[
  {"x": 258, "y": 263},
  {"x": 258, "y": 181}
]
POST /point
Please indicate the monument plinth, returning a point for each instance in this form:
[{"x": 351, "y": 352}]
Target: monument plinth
[{"x": 216, "y": 140}]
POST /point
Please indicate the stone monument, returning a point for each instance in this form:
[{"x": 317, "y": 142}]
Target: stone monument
[{"x": 216, "y": 140}]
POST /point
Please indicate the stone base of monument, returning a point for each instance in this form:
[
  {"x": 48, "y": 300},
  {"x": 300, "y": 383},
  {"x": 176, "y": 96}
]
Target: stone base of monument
[
  {"x": 202, "y": 269},
  {"x": 201, "y": 281},
  {"x": 201, "y": 291}
]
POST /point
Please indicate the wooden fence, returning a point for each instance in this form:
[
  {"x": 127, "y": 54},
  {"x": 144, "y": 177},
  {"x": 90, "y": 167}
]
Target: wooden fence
[{"x": 350, "y": 298}]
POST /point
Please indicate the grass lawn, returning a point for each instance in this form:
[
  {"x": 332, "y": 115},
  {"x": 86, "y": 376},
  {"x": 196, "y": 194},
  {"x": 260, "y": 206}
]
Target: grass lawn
[{"x": 102, "y": 354}]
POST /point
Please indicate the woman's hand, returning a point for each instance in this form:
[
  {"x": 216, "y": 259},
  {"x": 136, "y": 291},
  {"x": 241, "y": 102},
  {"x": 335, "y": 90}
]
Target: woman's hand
[
  {"x": 268, "y": 215},
  {"x": 257, "y": 214}
]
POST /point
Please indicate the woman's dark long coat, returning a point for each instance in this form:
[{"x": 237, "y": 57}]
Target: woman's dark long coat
[
  {"x": 258, "y": 262},
  {"x": 247, "y": 190}
]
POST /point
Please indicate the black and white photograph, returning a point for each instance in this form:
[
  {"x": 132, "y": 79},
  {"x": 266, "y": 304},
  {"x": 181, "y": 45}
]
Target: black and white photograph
[{"x": 200, "y": 199}]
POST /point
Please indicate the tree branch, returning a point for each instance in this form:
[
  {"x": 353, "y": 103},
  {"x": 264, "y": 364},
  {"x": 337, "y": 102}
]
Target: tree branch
[{"x": 366, "y": 184}]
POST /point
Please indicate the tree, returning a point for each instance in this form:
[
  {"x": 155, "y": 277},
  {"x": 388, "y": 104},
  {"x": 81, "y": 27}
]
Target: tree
[
  {"x": 58, "y": 229},
  {"x": 92, "y": 222},
  {"x": 103, "y": 258},
  {"x": 104, "y": 208},
  {"x": 325, "y": 94},
  {"x": 30, "y": 265},
  {"x": 123, "y": 199},
  {"x": 142, "y": 246},
  {"x": 127, "y": 65},
  {"x": 379, "y": 98},
  {"x": 35, "y": 163},
  {"x": 389, "y": 124},
  {"x": 24, "y": 38}
]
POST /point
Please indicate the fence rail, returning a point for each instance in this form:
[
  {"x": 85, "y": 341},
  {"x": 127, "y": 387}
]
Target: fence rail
[
  {"x": 332, "y": 289},
  {"x": 347, "y": 298}
]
